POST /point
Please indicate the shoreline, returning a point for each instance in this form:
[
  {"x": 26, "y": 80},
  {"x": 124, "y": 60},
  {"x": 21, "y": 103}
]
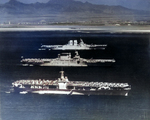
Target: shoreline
[{"x": 88, "y": 29}]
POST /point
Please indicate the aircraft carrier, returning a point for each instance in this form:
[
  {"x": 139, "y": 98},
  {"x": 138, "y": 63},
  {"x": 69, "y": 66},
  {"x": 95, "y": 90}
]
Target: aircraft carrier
[
  {"x": 63, "y": 86},
  {"x": 73, "y": 45},
  {"x": 66, "y": 60}
]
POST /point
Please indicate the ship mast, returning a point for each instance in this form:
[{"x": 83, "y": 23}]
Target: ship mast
[{"x": 62, "y": 75}]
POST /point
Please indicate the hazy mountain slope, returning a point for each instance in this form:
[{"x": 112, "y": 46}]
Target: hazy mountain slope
[{"x": 63, "y": 10}]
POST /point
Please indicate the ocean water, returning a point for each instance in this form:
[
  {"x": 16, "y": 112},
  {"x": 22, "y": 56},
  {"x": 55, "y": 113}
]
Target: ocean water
[{"x": 132, "y": 55}]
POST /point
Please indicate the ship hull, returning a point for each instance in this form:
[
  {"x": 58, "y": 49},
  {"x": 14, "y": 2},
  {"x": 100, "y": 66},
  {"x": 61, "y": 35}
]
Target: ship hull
[
  {"x": 77, "y": 48},
  {"x": 71, "y": 91},
  {"x": 69, "y": 64},
  {"x": 100, "y": 64}
]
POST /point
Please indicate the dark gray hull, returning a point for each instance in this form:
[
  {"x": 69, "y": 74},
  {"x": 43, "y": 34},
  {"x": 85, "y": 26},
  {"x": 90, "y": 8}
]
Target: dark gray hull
[
  {"x": 69, "y": 64},
  {"x": 71, "y": 91}
]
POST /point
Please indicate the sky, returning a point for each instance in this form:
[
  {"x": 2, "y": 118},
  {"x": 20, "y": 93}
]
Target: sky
[
  {"x": 133, "y": 4},
  {"x": 25, "y": 1}
]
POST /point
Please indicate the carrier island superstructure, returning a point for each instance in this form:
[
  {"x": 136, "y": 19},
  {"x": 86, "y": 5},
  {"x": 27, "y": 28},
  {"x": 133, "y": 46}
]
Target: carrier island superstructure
[
  {"x": 62, "y": 85},
  {"x": 66, "y": 60}
]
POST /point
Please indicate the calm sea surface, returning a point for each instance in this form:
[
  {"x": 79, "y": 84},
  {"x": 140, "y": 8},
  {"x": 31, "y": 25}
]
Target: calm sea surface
[{"x": 132, "y": 55}]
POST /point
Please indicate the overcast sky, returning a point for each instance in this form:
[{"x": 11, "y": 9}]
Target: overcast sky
[{"x": 134, "y": 4}]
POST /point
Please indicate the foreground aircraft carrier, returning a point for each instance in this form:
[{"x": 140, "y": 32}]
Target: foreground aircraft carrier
[{"x": 63, "y": 86}]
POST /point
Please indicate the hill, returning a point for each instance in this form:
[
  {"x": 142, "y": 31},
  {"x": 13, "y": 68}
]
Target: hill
[{"x": 67, "y": 11}]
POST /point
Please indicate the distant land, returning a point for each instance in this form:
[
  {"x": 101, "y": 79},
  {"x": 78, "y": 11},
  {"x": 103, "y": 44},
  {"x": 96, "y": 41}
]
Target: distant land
[
  {"x": 81, "y": 29},
  {"x": 69, "y": 12}
]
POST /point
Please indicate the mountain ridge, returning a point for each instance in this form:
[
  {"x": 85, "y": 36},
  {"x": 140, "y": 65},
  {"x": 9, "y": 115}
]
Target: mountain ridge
[
  {"x": 69, "y": 9},
  {"x": 64, "y": 5}
]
